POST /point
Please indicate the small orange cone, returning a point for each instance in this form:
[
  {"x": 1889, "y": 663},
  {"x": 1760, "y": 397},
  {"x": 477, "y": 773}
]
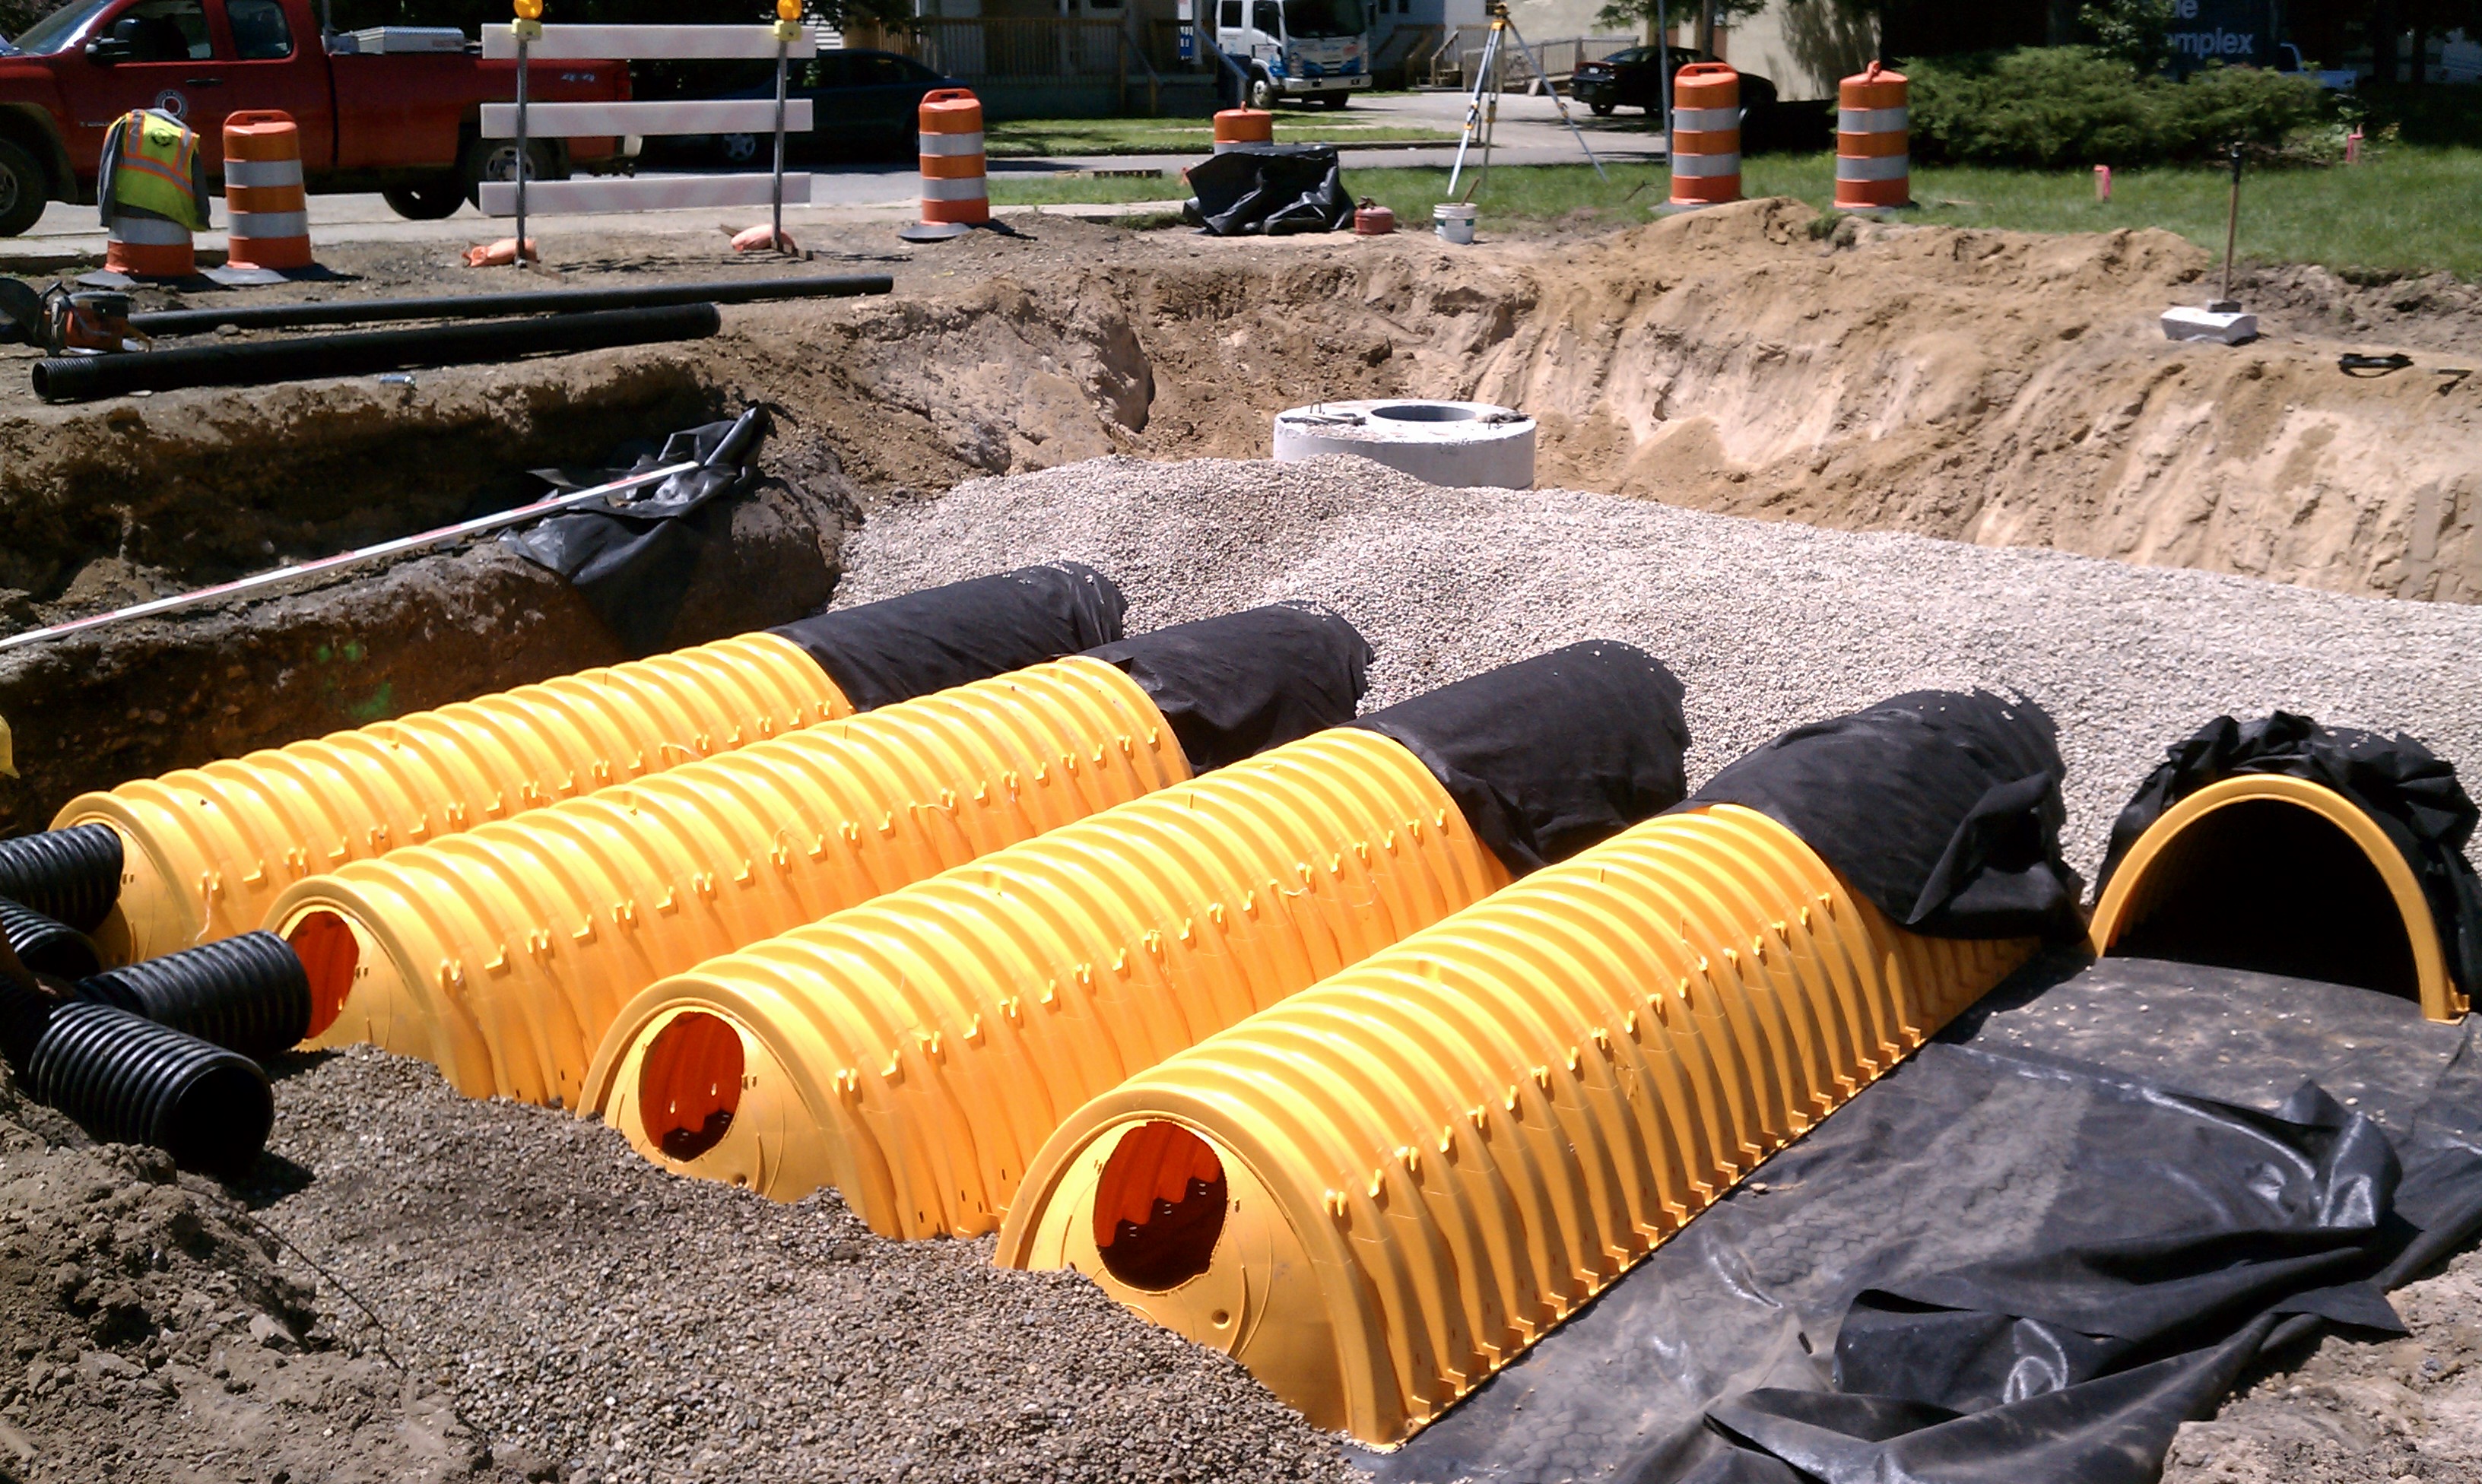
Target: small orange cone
[{"x": 499, "y": 254}]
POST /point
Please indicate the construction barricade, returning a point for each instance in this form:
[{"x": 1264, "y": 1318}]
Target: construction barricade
[
  {"x": 205, "y": 852},
  {"x": 2284, "y": 846},
  {"x": 263, "y": 195},
  {"x": 1235, "y": 127},
  {"x": 956, "y": 194},
  {"x": 1873, "y": 133},
  {"x": 1705, "y": 142},
  {"x": 914, "y": 1053},
  {"x": 503, "y": 954},
  {"x": 523, "y": 121},
  {"x": 1380, "y": 1191}
]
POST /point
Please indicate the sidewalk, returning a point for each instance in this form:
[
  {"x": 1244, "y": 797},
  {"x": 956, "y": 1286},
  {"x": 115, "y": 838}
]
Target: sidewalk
[{"x": 1528, "y": 132}]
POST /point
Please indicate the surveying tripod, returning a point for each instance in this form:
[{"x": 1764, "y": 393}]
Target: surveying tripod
[{"x": 1482, "y": 110}]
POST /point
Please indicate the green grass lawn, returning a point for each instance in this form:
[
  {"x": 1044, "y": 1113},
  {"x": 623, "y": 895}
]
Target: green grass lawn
[
  {"x": 1038, "y": 137},
  {"x": 2411, "y": 209}
]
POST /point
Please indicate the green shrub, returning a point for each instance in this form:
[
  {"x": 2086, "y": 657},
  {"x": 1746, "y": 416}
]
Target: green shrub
[{"x": 2053, "y": 106}]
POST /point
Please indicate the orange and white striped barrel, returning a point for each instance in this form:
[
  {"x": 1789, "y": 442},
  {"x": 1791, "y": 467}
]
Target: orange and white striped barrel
[
  {"x": 1705, "y": 135},
  {"x": 271, "y": 218},
  {"x": 148, "y": 246},
  {"x": 1238, "y": 126},
  {"x": 954, "y": 192},
  {"x": 1873, "y": 132}
]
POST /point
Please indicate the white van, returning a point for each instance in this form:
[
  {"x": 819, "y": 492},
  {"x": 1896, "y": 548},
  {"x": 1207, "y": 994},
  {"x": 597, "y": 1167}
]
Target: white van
[{"x": 1297, "y": 48}]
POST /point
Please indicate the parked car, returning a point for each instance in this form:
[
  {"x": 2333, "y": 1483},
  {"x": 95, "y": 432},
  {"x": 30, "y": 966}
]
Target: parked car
[
  {"x": 861, "y": 103},
  {"x": 1635, "y": 79}
]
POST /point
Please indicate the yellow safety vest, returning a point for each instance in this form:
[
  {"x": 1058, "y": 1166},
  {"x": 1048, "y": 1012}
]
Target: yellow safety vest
[{"x": 156, "y": 168}]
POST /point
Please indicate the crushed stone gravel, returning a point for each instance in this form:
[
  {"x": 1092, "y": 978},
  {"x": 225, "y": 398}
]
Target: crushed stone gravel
[{"x": 1770, "y": 625}]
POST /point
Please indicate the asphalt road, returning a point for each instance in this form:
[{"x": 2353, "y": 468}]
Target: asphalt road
[{"x": 1528, "y": 131}]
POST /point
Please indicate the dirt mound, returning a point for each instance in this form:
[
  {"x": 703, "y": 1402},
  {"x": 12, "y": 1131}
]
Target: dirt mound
[{"x": 150, "y": 1318}]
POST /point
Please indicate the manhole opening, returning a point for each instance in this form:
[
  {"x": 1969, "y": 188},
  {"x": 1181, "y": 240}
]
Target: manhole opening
[
  {"x": 1159, "y": 1208},
  {"x": 689, "y": 1085},
  {"x": 1427, "y": 412},
  {"x": 325, "y": 944},
  {"x": 2268, "y": 886}
]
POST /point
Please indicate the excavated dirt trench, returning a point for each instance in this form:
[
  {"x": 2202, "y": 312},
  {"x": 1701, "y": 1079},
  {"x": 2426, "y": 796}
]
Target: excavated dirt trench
[{"x": 1990, "y": 387}]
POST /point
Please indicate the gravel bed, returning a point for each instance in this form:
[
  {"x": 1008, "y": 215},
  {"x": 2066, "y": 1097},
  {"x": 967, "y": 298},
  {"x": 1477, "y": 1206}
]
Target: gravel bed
[
  {"x": 598, "y": 1319},
  {"x": 1769, "y": 625}
]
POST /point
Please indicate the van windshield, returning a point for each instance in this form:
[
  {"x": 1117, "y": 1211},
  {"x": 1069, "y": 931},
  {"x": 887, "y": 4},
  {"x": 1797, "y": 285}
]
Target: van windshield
[
  {"x": 1324, "y": 17},
  {"x": 53, "y": 30}
]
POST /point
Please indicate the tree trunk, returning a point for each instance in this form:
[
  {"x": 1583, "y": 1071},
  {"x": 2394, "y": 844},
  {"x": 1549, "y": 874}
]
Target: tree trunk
[
  {"x": 2420, "y": 52},
  {"x": 1706, "y": 26},
  {"x": 2382, "y": 41}
]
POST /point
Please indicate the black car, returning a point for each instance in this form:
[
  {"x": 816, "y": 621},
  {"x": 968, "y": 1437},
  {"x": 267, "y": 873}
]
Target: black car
[
  {"x": 1635, "y": 79},
  {"x": 862, "y": 103}
]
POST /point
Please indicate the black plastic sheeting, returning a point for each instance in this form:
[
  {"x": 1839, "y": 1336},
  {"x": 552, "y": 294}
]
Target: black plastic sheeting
[
  {"x": 2408, "y": 791},
  {"x": 2028, "y": 1253},
  {"x": 1241, "y": 683},
  {"x": 1550, "y": 755},
  {"x": 1941, "y": 807},
  {"x": 898, "y": 648},
  {"x": 1268, "y": 191},
  {"x": 631, "y": 556}
]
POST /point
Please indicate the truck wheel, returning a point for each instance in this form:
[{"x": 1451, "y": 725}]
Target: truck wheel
[
  {"x": 1262, "y": 92},
  {"x": 1602, "y": 107},
  {"x": 23, "y": 190},
  {"x": 426, "y": 200},
  {"x": 738, "y": 148},
  {"x": 497, "y": 159}
]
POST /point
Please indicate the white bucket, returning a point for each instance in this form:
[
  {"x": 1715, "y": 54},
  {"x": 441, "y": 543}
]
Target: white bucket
[{"x": 1455, "y": 221}]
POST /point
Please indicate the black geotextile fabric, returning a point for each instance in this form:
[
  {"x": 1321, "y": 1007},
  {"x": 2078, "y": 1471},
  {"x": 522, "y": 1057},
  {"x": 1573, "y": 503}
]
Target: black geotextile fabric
[
  {"x": 1941, "y": 807},
  {"x": 1268, "y": 191},
  {"x": 2408, "y": 791},
  {"x": 2028, "y": 1253},
  {"x": 1550, "y": 755},
  {"x": 1239, "y": 683},
  {"x": 631, "y": 556},
  {"x": 898, "y": 648}
]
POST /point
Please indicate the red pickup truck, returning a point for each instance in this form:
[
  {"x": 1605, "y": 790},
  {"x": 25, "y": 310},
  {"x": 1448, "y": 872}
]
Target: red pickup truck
[{"x": 404, "y": 125}]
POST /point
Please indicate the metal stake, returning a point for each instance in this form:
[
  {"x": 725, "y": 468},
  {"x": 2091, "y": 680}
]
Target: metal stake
[
  {"x": 520, "y": 257},
  {"x": 782, "y": 48},
  {"x": 2231, "y": 236}
]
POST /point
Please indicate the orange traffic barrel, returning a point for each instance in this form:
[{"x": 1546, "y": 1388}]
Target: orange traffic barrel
[
  {"x": 956, "y": 197},
  {"x": 271, "y": 218},
  {"x": 1873, "y": 165},
  {"x": 148, "y": 247},
  {"x": 1705, "y": 135},
  {"x": 1238, "y": 126}
]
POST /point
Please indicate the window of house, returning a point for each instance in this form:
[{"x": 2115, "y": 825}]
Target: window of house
[{"x": 259, "y": 30}]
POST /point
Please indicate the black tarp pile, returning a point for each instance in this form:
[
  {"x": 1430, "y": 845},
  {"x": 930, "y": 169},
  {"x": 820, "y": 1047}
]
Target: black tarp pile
[
  {"x": 631, "y": 556},
  {"x": 2066, "y": 1226},
  {"x": 919, "y": 643},
  {"x": 1268, "y": 191}
]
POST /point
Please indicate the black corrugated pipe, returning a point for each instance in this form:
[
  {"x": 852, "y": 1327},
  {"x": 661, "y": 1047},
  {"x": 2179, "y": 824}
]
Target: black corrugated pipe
[
  {"x": 72, "y": 874},
  {"x": 85, "y": 377},
  {"x": 46, "y": 945},
  {"x": 248, "y": 994},
  {"x": 129, "y": 1081},
  {"x": 24, "y": 1011},
  {"x": 478, "y": 306}
]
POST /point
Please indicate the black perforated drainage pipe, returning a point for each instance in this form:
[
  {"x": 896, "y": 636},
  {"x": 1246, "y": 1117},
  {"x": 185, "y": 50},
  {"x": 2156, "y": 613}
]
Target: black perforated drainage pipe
[
  {"x": 24, "y": 1011},
  {"x": 128, "y": 1080},
  {"x": 476, "y": 306},
  {"x": 46, "y": 945},
  {"x": 248, "y": 994},
  {"x": 85, "y": 377},
  {"x": 72, "y": 874}
]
